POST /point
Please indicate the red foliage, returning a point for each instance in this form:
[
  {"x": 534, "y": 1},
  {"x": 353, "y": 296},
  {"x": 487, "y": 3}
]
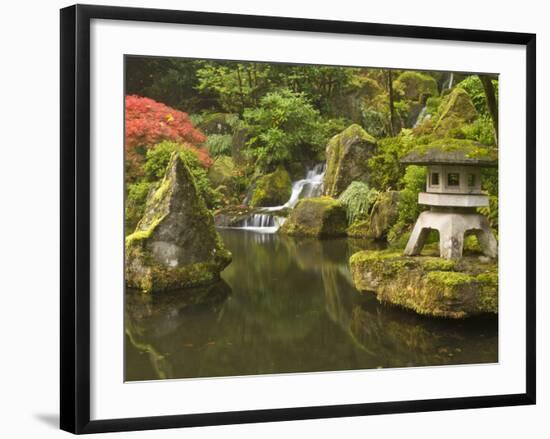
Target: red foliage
[{"x": 149, "y": 122}]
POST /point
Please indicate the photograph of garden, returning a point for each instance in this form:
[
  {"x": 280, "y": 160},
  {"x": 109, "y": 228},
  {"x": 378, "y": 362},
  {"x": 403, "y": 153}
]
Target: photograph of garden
[{"x": 286, "y": 218}]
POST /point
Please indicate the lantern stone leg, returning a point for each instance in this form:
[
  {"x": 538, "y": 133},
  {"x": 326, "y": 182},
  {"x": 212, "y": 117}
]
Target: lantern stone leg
[{"x": 452, "y": 228}]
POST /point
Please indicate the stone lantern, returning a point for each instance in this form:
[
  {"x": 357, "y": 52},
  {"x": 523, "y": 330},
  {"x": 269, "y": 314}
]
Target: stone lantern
[{"x": 453, "y": 192}]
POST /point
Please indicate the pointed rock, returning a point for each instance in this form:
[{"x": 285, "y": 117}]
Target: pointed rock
[
  {"x": 347, "y": 159},
  {"x": 175, "y": 244}
]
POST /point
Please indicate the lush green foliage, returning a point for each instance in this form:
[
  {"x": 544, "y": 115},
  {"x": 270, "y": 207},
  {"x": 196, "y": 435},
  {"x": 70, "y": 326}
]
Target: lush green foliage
[
  {"x": 481, "y": 130},
  {"x": 283, "y": 126},
  {"x": 358, "y": 199},
  {"x": 386, "y": 169},
  {"x": 414, "y": 182},
  {"x": 219, "y": 144},
  {"x": 135, "y": 203},
  {"x": 473, "y": 86}
]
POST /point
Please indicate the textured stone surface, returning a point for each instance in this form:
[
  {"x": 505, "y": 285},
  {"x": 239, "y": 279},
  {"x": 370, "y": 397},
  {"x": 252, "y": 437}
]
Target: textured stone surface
[
  {"x": 318, "y": 217},
  {"x": 452, "y": 227},
  {"x": 347, "y": 159},
  {"x": 175, "y": 244},
  {"x": 382, "y": 217},
  {"x": 457, "y": 110},
  {"x": 428, "y": 285},
  {"x": 221, "y": 170},
  {"x": 271, "y": 189}
]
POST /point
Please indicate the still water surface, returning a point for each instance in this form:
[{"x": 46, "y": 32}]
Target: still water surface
[{"x": 288, "y": 305}]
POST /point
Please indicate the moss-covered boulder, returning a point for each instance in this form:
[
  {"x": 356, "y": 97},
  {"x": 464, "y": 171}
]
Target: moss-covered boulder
[
  {"x": 456, "y": 110},
  {"x": 383, "y": 216},
  {"x": 216, "y": 123},
  {"x": 317, "y": 217},
  {"x": 271, "y": 189},
  {"x": 175, "y": 244},
  {"x": 221, "y": 170},
  {"x": 414, "y": 86},
  {"x": 347, "y": 159},
  {"x": 428, "y": 285}
]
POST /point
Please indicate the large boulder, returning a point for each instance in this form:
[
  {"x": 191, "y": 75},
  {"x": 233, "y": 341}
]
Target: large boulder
[
  {"x": 316, "y": 217},
  {"x": 175, "y": 244},
  {"x": 217, "y": 123},
  {"x": 428, "y": 285},
  {"x": 415, "y": 86},
  {"x": 347, "y": 159},
  {"x": 221, "y": 170},
  {"x": 456, "y": 110},
  {"x": 383, "y": 216},
  {"x": 271, "y": 189}
]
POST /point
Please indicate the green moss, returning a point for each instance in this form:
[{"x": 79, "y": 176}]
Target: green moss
[
  {"x": 272, "y": 189},
  {"x": 458, "y": 103},
  {"x": 175, "y": 209},
  {"x": 448, "y": 278},
  {"x": 343, "y": 165},
  {"x": 414, "y": 85},
  {"x": 428, "y": 285},
  {"x": 318, "y": 217},
  {"x": 438, "y": 264}
]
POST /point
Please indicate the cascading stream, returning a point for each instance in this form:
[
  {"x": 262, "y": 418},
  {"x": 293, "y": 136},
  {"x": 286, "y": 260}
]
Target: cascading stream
[{"x": 308, "y": 187}]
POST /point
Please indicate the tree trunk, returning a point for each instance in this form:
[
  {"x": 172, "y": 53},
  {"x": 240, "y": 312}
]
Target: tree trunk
[
  {"x": 392, "y": 109},
  {"x": 490, "y": 98}
]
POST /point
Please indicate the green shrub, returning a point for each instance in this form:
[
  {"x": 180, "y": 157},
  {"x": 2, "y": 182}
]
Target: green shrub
[
  {"x": 373, "y": 122},
  {"x": 481, "y": 130},
  {"x": 135, "y": 204},
  {"x": 358, "y": 199},
  {"x": 473, "y": 86},
  {"x": 385, "y": 167},
  {"x": 414, "y": 181},
  {"x": 284, "y": 126},
  {"x": 219, "y": 144}
]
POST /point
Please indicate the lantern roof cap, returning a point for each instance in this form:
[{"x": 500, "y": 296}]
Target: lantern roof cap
[{"x": 452, "y": 152}]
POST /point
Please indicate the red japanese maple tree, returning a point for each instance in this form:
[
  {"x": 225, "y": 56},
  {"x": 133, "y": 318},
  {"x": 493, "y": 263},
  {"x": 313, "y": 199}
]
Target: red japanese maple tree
[{"x": 149, "y": 122}]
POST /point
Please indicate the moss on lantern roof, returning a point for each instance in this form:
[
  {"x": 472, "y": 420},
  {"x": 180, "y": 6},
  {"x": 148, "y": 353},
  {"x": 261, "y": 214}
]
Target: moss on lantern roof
[{"x": 453, "y": 152}]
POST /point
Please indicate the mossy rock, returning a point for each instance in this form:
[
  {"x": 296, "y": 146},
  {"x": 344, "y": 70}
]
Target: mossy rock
[
  {"x": 316, "y": 217},
  {"x": 216, "y": 123},
  {"x": 428, "y": 285},
  {"x": 221, "y": 170},
  {"x": 272, "y": 189},
  {"x": 175, "y": 244},
  {"x": 452, "y": 151},
  {"x": 414, "y": 86},
  {"x": 347, "y": 159},
  {"x": 383, "y": 216},
  {"x": 238, "y": 145},
  {"x": 456, "y": 110}
]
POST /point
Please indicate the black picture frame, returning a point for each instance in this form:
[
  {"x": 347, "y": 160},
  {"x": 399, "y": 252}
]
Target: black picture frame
[{"x": 75, "y": 217}]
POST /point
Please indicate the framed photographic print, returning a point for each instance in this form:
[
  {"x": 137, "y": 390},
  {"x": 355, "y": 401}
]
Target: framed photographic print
[{"x": 268, "y": 218}]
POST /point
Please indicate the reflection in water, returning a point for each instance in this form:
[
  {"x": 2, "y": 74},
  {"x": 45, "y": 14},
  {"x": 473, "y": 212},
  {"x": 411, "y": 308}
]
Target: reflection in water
[{"x": 288, "y": 305}]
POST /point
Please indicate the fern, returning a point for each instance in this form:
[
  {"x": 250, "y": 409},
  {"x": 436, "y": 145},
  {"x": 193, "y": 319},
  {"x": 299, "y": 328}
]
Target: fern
[
  {"x": 358, "y": 198},
  {"x": 219, "y": 144}
]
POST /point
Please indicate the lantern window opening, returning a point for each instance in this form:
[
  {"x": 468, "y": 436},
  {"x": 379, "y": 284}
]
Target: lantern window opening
[
  {"x": 435, "y": 179},
  {"x": 453, "y": 179}
]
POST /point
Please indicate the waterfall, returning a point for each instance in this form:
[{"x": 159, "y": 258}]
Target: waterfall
[
  {"x": 308, "y": 187},
  {"x": 421, "y": 116},
  {"x": 448, "y": 83},
  {"x": 267, "y": 221}
]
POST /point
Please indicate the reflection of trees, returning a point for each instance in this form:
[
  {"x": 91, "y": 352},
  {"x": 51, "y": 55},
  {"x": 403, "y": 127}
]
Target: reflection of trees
[
  {"x": 293, "y": 308},
  {"x": 398, "y": 338},
  {"x": 164, "y": 324}
]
